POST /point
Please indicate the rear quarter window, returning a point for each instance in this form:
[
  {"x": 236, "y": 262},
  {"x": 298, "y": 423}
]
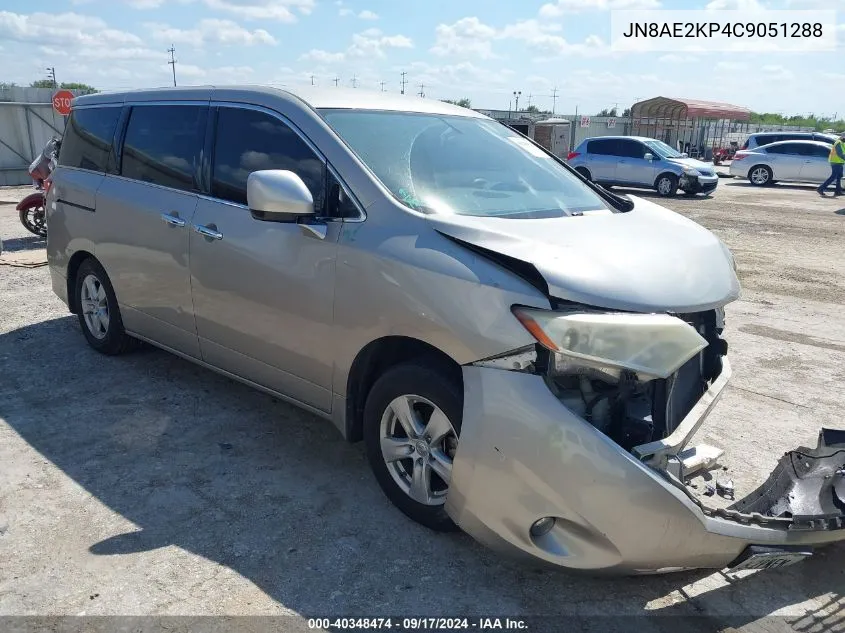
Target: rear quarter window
[{"x": 88, "y": 138}]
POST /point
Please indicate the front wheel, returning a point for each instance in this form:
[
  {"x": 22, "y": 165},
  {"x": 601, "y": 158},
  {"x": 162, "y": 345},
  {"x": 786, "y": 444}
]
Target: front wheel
[
  {"x": 667, "y": 185},
  {"x": 412, "y": 421},
  {"x": 34, "y": 220}
]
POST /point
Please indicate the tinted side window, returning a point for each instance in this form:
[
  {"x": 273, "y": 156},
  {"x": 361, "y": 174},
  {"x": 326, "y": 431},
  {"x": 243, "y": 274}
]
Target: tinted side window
[
  {"x": 603, "y": 147},
  {"x": 793, "y": 149},
  {"x": 630, "y": 149},
  {"x": 777, "y": 149},
  {"x": 88, "y": 137},
  {"x": 818, "y": 150},
  {"x": 249, "y": 141},
  {"x": 338, "y": 203},
  {"x": 164, "y": 144}
]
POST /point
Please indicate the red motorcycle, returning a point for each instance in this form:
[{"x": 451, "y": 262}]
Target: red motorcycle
[{"x": 32, "y": 208}]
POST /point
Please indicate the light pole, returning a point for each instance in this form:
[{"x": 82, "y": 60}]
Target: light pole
[{"x": 516, "y": 95}]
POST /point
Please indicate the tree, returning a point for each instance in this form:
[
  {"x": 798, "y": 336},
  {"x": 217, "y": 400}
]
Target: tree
[
  {"x": 626, "y": 113},
  {"x": 464, "y": 103},
  {"x": 533, "y": 109},
  {"x": 67, "y": 85},
  {"x": 73, "y": 85},
  {"x": 606, "y": 112}
]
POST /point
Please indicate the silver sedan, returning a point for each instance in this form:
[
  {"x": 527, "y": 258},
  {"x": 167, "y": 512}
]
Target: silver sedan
[{"x": 789, "y": 161}]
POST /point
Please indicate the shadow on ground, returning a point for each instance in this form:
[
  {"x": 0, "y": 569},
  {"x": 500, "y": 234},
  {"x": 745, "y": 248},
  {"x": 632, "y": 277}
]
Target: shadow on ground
[
  {"x": 205, "y": 464},
  {"x": 17, "y": 244}
]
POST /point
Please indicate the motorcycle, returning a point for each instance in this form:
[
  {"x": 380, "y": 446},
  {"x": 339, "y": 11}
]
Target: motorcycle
[{"x": 32, "y": 208}]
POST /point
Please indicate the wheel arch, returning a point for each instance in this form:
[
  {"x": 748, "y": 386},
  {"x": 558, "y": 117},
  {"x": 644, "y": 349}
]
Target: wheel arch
[
  {"x": 377, "y": 357},
  {"x": 665, "y": 172},
  {"x": 72, "y": 267}
]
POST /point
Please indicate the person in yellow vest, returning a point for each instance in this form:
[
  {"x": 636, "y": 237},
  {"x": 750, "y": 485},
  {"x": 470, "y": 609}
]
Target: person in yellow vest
[{"x": 837, "y": 163}]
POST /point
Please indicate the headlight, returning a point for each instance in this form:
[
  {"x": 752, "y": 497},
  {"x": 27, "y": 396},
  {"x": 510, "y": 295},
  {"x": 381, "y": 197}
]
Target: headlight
[
  {"x": 652, "y": 345},
  {"x": 691, "y": 171}
]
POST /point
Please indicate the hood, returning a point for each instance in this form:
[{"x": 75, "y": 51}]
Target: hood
[
  {"x": 692, "y": 162},
  {"x": 649, "y": 259}
]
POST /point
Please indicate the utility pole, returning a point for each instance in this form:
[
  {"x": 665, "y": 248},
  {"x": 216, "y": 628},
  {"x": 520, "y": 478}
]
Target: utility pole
[
  {"x": 422, "y": 90},
  {"x": 381, "y": 83},
  {"x": 530, "y": 96},
  {"x": 336, "y": 81},
  {"x": 312, "y": 80},
  {"x": 403, "y": 81},
  {"x": 554, "y": 99},
  {"x": 172, "y": 62},
  {"x": 52, "y": 75},
  {"x": 354, "y": 81}
]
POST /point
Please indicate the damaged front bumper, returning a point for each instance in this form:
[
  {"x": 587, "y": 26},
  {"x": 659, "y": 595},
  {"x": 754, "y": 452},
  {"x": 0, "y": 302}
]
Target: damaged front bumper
[{"x": 524, "y": 458}]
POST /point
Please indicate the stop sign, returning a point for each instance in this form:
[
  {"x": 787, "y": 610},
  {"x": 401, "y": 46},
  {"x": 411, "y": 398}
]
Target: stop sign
[{"x": 61, "y": 102}]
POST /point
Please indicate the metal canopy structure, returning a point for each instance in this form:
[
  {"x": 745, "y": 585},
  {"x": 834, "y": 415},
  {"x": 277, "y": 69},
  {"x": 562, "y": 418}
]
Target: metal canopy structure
[
  {"x": 694, "y": 126},
  {"x": 678, "y": 109}
]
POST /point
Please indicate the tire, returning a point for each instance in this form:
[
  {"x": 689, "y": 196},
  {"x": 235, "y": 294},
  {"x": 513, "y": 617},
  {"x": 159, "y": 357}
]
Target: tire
[
  {"x": 666, "y": 185},
  {"x": 584, "y": 172},
  {"x": 422, "y": 387},
  {"x": 104, "y": 332},
  {"x": 760, "y": 176},
  {"x": 34, "y": 220}
]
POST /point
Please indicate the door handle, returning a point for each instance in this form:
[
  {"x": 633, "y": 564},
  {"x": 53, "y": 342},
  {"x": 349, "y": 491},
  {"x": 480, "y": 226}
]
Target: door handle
[
  {"x": 173, "y": 220},
  {"x": 208, "y": 231}
]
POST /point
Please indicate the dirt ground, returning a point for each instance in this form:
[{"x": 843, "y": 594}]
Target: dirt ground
[{"x": 144, "y": 485}]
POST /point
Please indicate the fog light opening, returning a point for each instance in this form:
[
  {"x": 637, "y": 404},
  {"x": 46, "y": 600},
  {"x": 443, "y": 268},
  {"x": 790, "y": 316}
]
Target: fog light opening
[{"x": 543, "y": 526}]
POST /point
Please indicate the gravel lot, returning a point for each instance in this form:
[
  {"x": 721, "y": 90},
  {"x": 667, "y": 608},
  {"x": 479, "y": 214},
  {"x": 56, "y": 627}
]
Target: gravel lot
[{"x": 144, "y": 485}]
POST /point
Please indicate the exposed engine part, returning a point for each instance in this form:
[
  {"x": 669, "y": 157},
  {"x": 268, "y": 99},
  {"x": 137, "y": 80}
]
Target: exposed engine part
[
  {"x": 524, "y": 359},
  {"x": 632, "y": 411},
  {"x": 725, "y": 488}
]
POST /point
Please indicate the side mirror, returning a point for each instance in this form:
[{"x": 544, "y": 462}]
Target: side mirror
[
  {"x": 649, "y": 156},
  {"x": 277, "y": 195}
]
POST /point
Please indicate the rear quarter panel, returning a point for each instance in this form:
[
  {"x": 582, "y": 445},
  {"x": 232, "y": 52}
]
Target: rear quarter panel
[{"x": 71, "y": 217}]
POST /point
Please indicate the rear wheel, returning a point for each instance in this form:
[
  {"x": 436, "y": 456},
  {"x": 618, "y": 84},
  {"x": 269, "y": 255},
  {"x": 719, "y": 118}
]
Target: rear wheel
[
  {"x": 99, "y": 314},
  {"x": 412, "y": 421},
  {"x": 760, "y": 175},
  {"x": 584, "y": 172}
]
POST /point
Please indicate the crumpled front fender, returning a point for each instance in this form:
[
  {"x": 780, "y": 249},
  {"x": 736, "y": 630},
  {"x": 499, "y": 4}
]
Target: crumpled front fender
[
  {"x": 35, "y": 199},
  {"x": 523, "y": 456}
]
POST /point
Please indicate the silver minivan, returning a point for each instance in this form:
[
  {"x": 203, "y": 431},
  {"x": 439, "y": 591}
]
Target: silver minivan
[{"x": 524, "y": 354}]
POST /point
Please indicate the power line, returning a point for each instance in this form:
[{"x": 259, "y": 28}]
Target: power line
[
  {"x": 172, "y": 62},
  {"x": 403, "y": 81}
]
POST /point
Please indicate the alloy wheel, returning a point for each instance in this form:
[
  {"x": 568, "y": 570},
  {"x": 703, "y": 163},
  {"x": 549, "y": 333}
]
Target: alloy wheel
[
  {"x": 95, "y": 307},
  {"x": 418, "y": 444},
  {"x": 760, "y": 176}
]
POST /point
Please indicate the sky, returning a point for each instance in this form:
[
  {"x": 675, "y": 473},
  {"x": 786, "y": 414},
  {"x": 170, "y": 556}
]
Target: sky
[{"x": 481, "y": 49}]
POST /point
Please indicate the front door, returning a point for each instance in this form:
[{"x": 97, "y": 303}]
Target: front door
[
  {"x": 816, "y": 166},
  {"x": 632, "y": 167},
  {"x": 145, "y": 214},
  {"x": 263, "y": 291}
]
